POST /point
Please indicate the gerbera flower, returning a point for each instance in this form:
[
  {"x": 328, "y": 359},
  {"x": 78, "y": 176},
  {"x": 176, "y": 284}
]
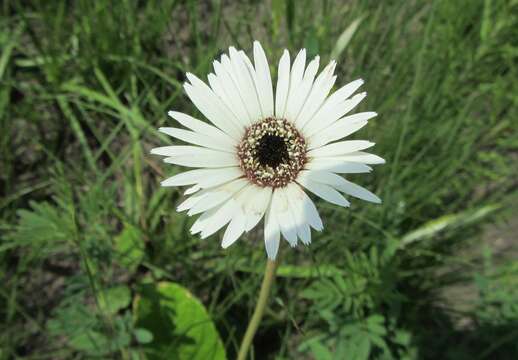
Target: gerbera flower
[{"x": 262, "y": 152}]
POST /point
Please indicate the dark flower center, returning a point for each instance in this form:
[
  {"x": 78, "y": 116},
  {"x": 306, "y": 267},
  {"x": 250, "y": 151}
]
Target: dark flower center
[{"x": 272, "y": 150}]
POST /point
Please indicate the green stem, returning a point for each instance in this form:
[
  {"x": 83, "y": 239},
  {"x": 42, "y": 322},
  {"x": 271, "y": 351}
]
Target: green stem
[{"x": 269, "y": 275}]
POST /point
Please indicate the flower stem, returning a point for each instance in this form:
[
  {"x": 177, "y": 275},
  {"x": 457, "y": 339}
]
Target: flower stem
[{"x": 269, "y": 275}]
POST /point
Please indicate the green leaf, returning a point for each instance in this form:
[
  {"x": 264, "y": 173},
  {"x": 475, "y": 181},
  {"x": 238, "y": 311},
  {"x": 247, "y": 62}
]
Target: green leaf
[
  {"x": 450, "y": 221},
  {"x": 320, "y": 352},
  {"x": 345, "y": 38},
  {"x": 8, "y": 43},
  {"x": 44, "y": 225},
  {"x": 364, "y": 348},
  {"x": 311, "y": 43},
  {"x": 278, "y": 11},
  {"x": 143, "y": 336},
  {"x": 402, "y": 337},
  {"x": 317, "y": 348},
  {"x": 180, "y": 324},
  {"x": 129, "y": 247},
  {"x": 294, "y": 271},
  {"x": 115, "y": 299},
  {"x": 92, "y": 342}
]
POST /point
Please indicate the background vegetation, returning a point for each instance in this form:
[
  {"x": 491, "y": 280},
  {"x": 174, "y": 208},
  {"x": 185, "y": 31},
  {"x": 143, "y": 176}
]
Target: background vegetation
[{"x": 96, "y": 263}]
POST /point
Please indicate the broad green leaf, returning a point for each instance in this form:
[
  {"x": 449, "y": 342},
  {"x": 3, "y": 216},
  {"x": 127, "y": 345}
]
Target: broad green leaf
[
  {"x": 114, "y": 299},
  {"x": 180, "y": 324}
]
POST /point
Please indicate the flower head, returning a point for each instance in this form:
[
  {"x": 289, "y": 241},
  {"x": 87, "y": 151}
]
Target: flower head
[{"x": 263, "y": 151}]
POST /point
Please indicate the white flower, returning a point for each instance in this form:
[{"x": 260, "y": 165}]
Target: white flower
[{"x": 262, "y": 152}]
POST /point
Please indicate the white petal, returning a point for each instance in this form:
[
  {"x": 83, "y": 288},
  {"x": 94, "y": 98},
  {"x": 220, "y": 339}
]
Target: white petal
[
  {"x": 220, "y": 176},
  {"x": 304, "y": 233},
  {"x": 218, "y": 196},
  {"x": 203, "y": 220},
  {"x": 197, "y": 198},
  {"x": 319, "y": 92},
  {"x": 334, "y": 133},
  {"x": 191, "y": 201},
  {"x": 246, "y": 84},
  {"x": 210, "y": 201},
  {"x": 282, "y": 213},
  {"x": 192, "y": 190},
  {"x": 174, "y": 150},
  {"x": 212, "y": 107},
  {"x": 340, "y": 148},
  {"x": 309, "y": 209},
  {"x": 341, "y": 184},
  {"x": 193, "y": 156},
  {"x": 232, "y": 90},
  {"x": 283, "y": 84},
  {"x": 181, "y": 150},
  {"x": 340, "y": 129},
  {"x": 225, "y": 93},
  {"x": 347, "y": 90},
  {"x": 324, "y": 177},
  {"x": 215, "y": 102},
  {"x": 271, "y": 234},
  {"x": 337, "y": 165},
  {"x": 247, "y": 61},
  {"x": 264, "y": 80},
  {"x": 297, "y": 72},
  {"x": 207, "y": 177},
  {"x": 201, "y": 161},
  {"x": 358, "y": 192},
  {"x": 324, "y": 191},
  {"x": 335, "y": 99},
  {"x": 299, "y": 94},
  {"x": 296, "y": 205},
  {"x": 220, "y": 218},
  {"x": 362, "y": 157},
  {"x": 198, "y": 139},
  {"x": 202, "y": 127},
  {"x": 324, "y": 118},
  {"x": 204, "y": 178},
  {"x": 256, "y": 83},
  {"x": 234, "y": 230},
  {"x": 254, "y": 202},
  {"x": 253, "y": 75},
  {"x": 185, "y": 178},
  {"x": 234, "y": 75}
]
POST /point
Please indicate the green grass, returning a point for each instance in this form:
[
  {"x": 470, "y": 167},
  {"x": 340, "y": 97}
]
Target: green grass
[{"x": 85, "y": 85}]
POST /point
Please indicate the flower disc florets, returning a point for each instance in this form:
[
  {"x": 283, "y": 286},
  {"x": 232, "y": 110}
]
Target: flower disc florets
[{"x": 272, "y": 152}]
